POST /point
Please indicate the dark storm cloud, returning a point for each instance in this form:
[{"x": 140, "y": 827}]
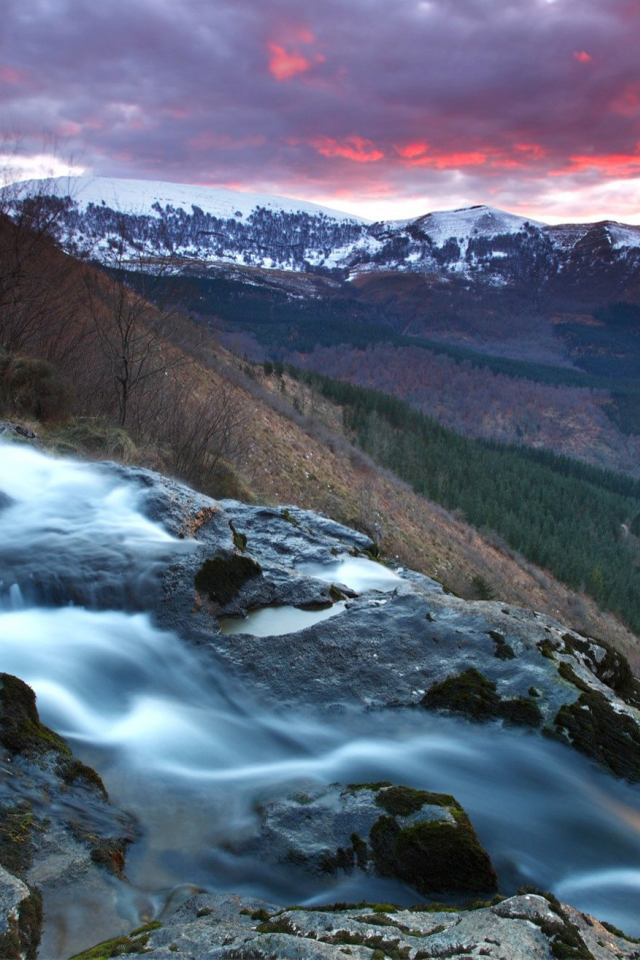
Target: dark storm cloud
[{"x": 471, "y": 98}]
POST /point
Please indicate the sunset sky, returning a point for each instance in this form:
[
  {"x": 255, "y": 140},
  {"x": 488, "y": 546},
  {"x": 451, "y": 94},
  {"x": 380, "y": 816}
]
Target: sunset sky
[{"x": 386, "y": 109}]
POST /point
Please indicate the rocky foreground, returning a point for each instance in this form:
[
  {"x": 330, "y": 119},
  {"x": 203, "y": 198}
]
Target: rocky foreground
[
  {"x": 526, "y": 927},
  {"x": 407, "y": 646}
]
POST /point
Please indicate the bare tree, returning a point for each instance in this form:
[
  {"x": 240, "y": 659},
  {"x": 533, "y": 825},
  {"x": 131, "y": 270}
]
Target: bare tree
[
  {"x": 200, "y": 431},
  {"x": 136, "y": 335}
]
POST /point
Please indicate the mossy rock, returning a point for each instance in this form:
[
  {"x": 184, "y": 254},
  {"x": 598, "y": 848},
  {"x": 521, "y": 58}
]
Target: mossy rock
[
  {"x": 23, "y": 734},
  {"x": 222, "y": 578},
  {"x": 472, "y": 695},
  {"x": 612, "y": 669},
  {"x": 433, "y": 856},
  {"x": 503, "y": 650},
  {"x": 21, "y": 731},
  {"x": 593, "y": 727}
]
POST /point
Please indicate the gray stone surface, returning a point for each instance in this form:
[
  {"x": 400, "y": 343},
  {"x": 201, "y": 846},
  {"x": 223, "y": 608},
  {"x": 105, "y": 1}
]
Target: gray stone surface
[
  {"x": 524, "y": 927},
  {"x": 12, "y": 893},
  {"x": 386, "y": 649}
]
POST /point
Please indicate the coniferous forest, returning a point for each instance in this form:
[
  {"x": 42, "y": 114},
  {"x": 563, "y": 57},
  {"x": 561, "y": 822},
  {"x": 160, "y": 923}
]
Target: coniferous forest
[{"x": 577, "y": 521}]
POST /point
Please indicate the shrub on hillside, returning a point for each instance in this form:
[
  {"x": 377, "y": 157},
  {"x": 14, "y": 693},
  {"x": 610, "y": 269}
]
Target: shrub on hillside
[
  {"x": 93, "y": 438},
  {"x": 33, "y": 388}
]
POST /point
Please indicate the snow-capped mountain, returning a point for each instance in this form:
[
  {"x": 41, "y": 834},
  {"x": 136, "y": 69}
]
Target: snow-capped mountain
[{"x": 200, "y": 227}]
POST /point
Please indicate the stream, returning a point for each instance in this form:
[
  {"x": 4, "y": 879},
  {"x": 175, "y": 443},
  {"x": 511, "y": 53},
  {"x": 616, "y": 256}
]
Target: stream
[{"x": 189, "y": 751}]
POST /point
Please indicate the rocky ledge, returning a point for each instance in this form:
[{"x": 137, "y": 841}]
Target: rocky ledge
[
  {"x": 408, "y": 645},
  {"x": 525, "y": 927}
]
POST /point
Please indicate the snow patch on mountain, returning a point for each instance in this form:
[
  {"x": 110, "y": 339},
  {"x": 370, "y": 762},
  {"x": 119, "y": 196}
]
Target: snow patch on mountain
[
  {"x": 145, "y": 197},
  {"x": 467, "y": 222}
]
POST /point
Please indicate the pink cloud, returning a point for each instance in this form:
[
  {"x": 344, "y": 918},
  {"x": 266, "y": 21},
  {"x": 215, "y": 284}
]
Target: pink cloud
[
  {"x": 582, "y": 56},
  {"x": 284, "y": 65},
  {"x": 353, "y": 148},
  {"x": 608, "y": 165}
]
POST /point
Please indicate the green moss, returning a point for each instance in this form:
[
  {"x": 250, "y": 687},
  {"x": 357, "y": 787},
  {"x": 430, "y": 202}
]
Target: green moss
[
  {"x": 342, "y": 905},
  {"x": 17, "y": 824},
  {"x": 74, "y": 771},
  {"x": 547, "y": 649},
  {"x": 378, "y": 785},
  {"x": 280, "y": 924},
  {"x": 403, "y": 801},
  {"x": 521, "y": 712},
  {"x": 239, "y": 539},
  {"x": 346, "y": 858},
  {"x": 433, "y": 856},
  {"x": 503, "y": 650},
  {"x": 335, "y": 594},
  {"x": 381, "y": 948},
  {"x": 20, "y": 729},
  {"x": 260, "y": 914},
  {"x": 286, "y": 515},
  {"x": 136, "y": 942},
  {"x": 146, "y": 928},
  {"x": 22, "y": 733},
  {"x": 593, "y": 727},
  {"x": 564, "y": 937},
  {"x": 472, "y": 695},
  {"x": 223, "y": 577}
]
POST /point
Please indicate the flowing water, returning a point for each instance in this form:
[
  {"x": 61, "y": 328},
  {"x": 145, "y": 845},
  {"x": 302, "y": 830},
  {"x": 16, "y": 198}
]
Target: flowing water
[{"x": 189, "y": 751}]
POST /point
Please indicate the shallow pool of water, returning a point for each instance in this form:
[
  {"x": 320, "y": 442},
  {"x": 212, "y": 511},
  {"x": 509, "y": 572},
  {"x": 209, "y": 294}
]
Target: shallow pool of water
[{"x": 276, "y": 621}]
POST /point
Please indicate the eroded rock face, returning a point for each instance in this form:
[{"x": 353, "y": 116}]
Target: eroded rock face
[
  {"x": 424, "y": 839},
  {"x": 526, "y": 927},
  {"x": 59, "y": 835}
]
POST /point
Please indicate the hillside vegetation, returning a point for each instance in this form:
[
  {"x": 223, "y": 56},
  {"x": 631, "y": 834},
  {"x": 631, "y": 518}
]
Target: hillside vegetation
[{"x": 234, "y": 429}]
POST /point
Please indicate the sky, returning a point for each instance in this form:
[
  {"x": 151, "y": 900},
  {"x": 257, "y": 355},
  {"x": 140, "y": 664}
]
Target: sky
[{"x": 384, "y": 108}]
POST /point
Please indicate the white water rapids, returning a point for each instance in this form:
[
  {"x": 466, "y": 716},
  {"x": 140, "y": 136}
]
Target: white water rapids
[{"x": 188, "y": 751}]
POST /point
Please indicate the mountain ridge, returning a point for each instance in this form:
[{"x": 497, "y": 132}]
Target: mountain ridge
[{"x": 209, "y": 225}]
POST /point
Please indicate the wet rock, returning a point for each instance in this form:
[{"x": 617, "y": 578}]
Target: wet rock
[
  {"x": 421, "y": 838},
  {"x": 15, "y": 433},
  {"x": 408, "y": 646},
  {"x": 59, "y": 835},
  {"x": 529, "y": 927},
  {"x": 20, "y": 919}
]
